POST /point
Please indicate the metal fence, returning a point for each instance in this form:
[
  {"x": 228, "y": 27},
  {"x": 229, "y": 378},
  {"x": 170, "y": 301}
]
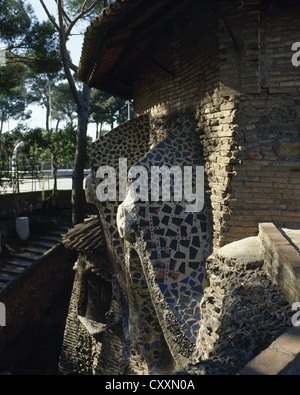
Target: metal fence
[{"x": 26, "y": 182}]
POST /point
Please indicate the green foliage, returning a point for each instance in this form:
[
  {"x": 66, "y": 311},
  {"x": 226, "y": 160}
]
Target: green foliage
[
  {"x": 27, "y": 42},
  {"x": 75, "y": 7},
  {"x": 13, "y": 107},
  {"x": 34, "y": 138},
  {"x": 8, "y": 142},
  {"x": 60, "y": 144},
  {"x": 56, "y": 146},
  {"x": 42, "y": 50},
  {"x": 34, "y": 47},
  {"x": 40, "y": 89},
  {"x": 63, "y": 104},
  {"x": 11, "y": 77},
  {"x": 15, "y": 19},
  {"x": 107, "y": 109},
  {"x": 74, "y": 14}
]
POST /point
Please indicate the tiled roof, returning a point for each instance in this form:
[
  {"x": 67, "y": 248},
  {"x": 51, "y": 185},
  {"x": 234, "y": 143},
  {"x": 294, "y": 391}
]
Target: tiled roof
[
  {"x": 101, "y": 30},
  {"x": 119, "y": 37},
  {"x": 86, "y": 237}
]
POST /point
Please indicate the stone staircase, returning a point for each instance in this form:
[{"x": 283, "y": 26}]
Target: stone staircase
[{"x": 12, "y": 267}]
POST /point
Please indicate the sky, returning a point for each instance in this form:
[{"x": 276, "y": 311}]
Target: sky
[{"x": 38, "y": 118}]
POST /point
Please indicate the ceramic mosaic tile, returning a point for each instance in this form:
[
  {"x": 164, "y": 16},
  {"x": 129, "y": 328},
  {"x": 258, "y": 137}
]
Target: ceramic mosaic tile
[
  {"x": 162, "y": 268},
  {"x": 146, "y": 333},
  {"x": 172, "y": 245},
  {"x": 130, "y": 141}
]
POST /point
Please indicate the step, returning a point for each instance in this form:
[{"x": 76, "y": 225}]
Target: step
[
  {"x": 42, "y": 244},
  {"x": 26, "y": 257},
  {"x": 6, "y": 279},
  {"x": 65, "y": 228},
  {"x": 58, "y": 233},
  {"x": 66, "y": 225},
  {"x": 20, "y": 263},
  {"x": 282, "y": 256},
  {"x": 50, "y": 239},
  {"x": 280, "y": 358},
  {"x": 36, "y": 250},
  {"x": 11, "y": 270},
  {"x": 60, "y": 230}
]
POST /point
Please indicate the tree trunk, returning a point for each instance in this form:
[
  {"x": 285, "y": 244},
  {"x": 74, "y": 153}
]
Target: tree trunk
[
  {"x": 1, "y": 127},
  {"x": 112, "y": 123},
  {"x": 82, "y": 101},
  {"x": 47, "y": 114},
  {"x": 101, "y": 127},
  {"x": 78, "y": 195},
  {"x": 97, "y": 130},
  {"x": 55, "y": 169}
]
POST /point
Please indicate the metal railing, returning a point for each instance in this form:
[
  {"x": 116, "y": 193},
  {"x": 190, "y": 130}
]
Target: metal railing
[
  {"x": 44, "y": 181},
  {"x": 26, "y": 182}
]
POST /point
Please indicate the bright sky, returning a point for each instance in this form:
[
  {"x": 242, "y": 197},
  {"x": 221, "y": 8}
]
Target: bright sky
[{"x": 75, "y": 43}]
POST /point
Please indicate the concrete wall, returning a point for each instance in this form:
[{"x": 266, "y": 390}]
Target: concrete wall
[{"x": 13, "y": 205}]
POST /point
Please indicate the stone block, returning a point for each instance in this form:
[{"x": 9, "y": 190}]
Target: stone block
[{"x": 269, "y": 362}]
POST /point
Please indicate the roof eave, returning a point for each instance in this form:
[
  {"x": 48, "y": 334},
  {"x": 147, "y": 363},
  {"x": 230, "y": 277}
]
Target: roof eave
[{"x": 109, "y": 47}]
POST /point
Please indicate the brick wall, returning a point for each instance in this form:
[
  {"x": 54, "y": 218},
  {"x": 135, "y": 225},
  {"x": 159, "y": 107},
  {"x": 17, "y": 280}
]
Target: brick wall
[
  {"x": 188, "y": 56},
  {"x": 84, "y": 352},
  {"x": 281, "y": 261},
  {"x": 36, "y": 306},
  {"x": 235, "y": 75},
  {"x": 265, "y": 176}
]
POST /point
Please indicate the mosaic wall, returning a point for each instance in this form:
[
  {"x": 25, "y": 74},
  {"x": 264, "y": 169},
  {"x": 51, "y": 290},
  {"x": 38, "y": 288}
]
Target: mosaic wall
[
  {"x": 161, "y": 254},
  {"x": 172, "y": 245},
  {"x": 130, "y": 141}
]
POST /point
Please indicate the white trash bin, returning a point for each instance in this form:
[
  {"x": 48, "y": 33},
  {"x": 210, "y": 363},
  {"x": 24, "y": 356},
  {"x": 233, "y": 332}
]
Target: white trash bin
[{"x": 22, "y": 227}]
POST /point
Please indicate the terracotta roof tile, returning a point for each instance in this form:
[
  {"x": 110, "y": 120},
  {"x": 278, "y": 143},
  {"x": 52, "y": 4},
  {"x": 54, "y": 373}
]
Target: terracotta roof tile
[
  {"x": 97, "y": 31},
  {"x": 86, "y": 237},
  {"x": 118, "y": 38}
]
